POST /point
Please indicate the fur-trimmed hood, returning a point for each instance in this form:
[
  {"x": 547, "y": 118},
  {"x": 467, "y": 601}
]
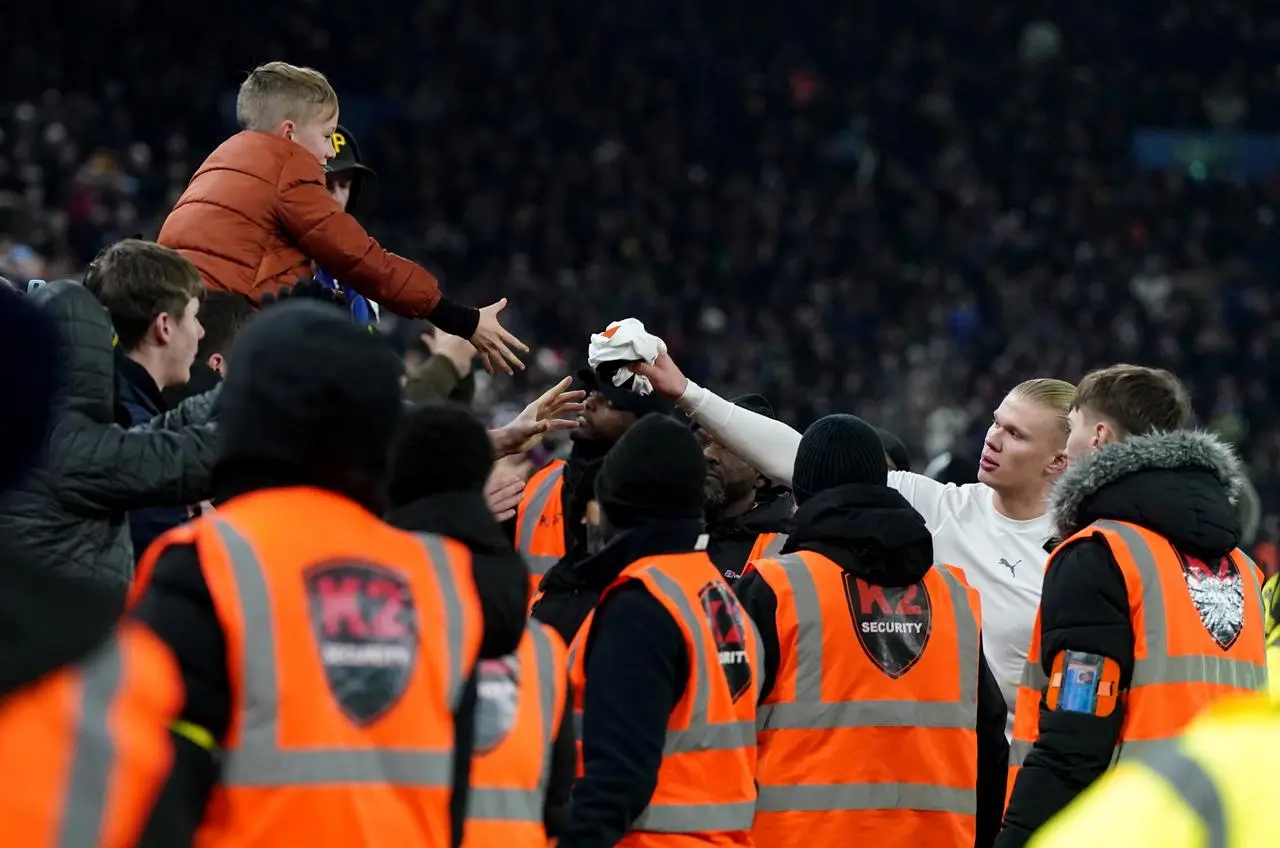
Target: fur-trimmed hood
[{"x": 1075, "y": 494}]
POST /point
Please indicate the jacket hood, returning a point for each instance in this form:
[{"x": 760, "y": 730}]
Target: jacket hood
[
  {"x": 87, "y": 380},
  {"x": 769, "y": 515},
  {"x": 461, "y": 515},
  {"x": 869, "y": 531},
  {"x": 1182, "y": 485},
  {"x": 595, "y": 572}
]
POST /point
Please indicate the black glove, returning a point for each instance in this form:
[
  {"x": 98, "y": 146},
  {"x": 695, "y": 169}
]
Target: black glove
[{"x": 305, "y": 288}]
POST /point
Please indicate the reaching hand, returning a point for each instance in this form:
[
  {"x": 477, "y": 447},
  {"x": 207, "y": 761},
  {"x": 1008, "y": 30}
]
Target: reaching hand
[
  {"x": 460, "y": 352},
  {"x": 494, "y": 343},
  {"x": 665, "y": 375},
  {"x": 555, "y": 402},
  {"x": 519, "y": 436},
  {"x": 503, "y": 494}
]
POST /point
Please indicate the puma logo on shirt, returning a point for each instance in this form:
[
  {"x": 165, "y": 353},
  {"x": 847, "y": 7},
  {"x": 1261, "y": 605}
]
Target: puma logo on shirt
[{"x": 1011, "y": 566}]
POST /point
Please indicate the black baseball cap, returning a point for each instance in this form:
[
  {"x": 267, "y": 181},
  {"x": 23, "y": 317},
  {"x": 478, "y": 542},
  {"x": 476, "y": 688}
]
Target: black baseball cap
[
  {"x": 347, "y": 155},
  {"x": 621, "y": 397}
]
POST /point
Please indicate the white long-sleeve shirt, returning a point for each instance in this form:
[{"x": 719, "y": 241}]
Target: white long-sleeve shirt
[{"x": 1002, "y": 558}]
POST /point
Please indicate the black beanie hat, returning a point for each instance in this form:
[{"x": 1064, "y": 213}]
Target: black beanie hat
[
  {"x": 655, "y": 472},
  {"x": 311, "y": 389},
  {"x": 838, "y": 450},
  {"x": 440, "y": 448}
]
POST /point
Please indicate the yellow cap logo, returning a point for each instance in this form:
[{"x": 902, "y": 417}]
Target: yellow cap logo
[{"x": 339, "y": 142}]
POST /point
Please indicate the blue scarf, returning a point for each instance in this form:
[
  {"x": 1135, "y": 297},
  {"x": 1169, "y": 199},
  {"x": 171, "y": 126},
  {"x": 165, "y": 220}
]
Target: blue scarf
[{"x": 361, "y": 311}]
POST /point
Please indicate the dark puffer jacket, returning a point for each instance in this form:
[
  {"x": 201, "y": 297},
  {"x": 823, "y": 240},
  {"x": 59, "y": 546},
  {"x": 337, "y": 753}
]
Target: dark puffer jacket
[{"x": 71, "y": 513}]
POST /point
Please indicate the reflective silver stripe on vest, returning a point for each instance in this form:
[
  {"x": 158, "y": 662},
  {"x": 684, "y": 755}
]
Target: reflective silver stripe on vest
[
  {"x": 525, "y": 805},
  {"x": 259, "y": 760},
  {"x": 825, "y": 797},
  {"x": 1159, "y": 667},
  {"x": 1196, "y": 788},
  {"x": 538, "y": 564},
  {"x": 94, "y": 750},
  {"x": 808, "y": 711},
  {"x": 775, "y": 545},
  {"x": 701, "y": 734}
]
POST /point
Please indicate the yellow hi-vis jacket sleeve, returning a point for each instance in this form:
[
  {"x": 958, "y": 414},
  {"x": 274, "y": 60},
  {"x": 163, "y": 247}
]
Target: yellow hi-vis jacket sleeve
[{"x": 1211, "y": 789}]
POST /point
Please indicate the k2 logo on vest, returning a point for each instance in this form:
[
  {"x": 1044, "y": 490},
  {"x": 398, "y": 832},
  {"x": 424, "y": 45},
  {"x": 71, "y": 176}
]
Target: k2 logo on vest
[
  {"x": 1217, "y": 592},
  {"x": 893, "y": 623},
  {"x": 497, "y": 698},
  {"x": 366, "y": 625},
  {"x": 1012, "y": 566},
  {"x": 726, "y": 618}
]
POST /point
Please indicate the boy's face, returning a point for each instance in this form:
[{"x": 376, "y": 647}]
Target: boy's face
[{"x": 316, "y": 135}]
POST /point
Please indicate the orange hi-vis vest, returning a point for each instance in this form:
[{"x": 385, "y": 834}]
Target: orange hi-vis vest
[
  {"x": 348, "y": 646},
  {"x": 540, "y": 521},
  {"x": 86, "y": 750},
  {"x": 509, "y": 781},
  {"x": 868, "y": 737},
  {"x": 1179, "y": 667},
  {"x": 706, "y": 793},
  {"x": 767, "y": 545}
]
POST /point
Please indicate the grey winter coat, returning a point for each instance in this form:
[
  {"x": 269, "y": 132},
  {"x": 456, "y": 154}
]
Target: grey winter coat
[{"x": 71, "y": 513}]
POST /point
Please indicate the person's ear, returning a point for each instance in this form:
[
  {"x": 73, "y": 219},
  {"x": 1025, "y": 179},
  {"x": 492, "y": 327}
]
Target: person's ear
[
  {"x": 762, "y": 482},
  {"x": 1057, "y": 465},
  {"x": 162, "y": 328},
  {"x": 217, "y": 364},
  {"x": 287, "y": 129}
]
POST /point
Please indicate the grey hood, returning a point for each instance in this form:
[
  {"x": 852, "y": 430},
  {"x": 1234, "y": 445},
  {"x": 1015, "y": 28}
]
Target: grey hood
[{"x": 1179, "y": 477}]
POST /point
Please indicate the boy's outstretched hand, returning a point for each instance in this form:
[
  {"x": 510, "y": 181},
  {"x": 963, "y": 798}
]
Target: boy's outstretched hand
[{"x": 494, "y": 343}]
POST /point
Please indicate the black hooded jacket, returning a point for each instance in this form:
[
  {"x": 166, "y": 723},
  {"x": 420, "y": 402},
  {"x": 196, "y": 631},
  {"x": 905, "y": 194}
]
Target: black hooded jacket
[
  {"x": 1179, "y": 485},
  {"x": 874, "y": 534},
  {"x": 637, "y": 664},
  {"x": 465, "y": 516},
  {"x": 733, "y": 538}
]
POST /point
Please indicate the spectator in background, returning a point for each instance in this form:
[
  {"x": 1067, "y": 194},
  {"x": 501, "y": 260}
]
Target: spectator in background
[
  {"x": 222, "y": 314},
  {"x": 895, "y": 452},
  {"x": 345, "y": 175},
  {"x": 447, "y": 372},
  {"x": 72, "y": 511},
  {"x": 849, "y": 244},
  {"x": 153, "y": 297},
  {"x": 741, "y": 503}
]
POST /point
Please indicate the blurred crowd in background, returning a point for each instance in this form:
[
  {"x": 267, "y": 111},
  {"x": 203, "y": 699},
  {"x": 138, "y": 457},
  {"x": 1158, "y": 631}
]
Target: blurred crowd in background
[{"x": 899, "y": 209}]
